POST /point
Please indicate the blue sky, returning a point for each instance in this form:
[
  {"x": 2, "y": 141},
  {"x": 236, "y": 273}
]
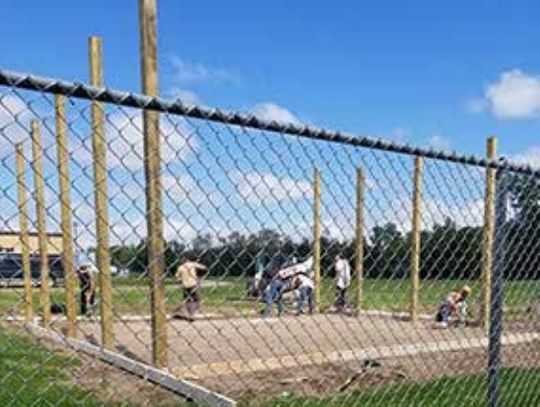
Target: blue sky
[
  {"x": 441, "y": 74},
  {"x": 410, "y": 70}
]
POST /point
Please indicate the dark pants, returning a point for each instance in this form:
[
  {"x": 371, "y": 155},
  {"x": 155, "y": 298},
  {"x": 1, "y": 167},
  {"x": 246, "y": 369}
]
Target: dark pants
[
  {"x": 191, "y": 300},
  {"x": 444, "y": 312},
  {"x": 87, "y": 300},
  {"x": 340, "y": 301}
]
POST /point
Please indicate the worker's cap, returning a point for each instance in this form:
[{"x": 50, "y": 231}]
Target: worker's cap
[{"x": 466, "y": 289}]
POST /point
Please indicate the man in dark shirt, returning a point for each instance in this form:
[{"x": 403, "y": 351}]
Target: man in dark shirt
[{"x": 88, "y": 288}]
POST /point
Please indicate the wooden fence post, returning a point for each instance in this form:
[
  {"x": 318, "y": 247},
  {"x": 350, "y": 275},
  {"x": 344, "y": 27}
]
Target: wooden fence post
[
  {"x": 100, "y": 197},
  {"x": 65, "y": 214},
  {"x": 359, "y": 249},
  {"x": 45, "y": 298},
  {"x": 23, "y": 234},
  {"x": 152, "y": 165},
  {"x": 415, "y": 238},
  {"x": 489, "y": 229},
  {"x": 317, "y": 237}
]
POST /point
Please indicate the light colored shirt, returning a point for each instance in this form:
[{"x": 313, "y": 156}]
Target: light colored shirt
[
  {"x": 343, "y": 274},
  {"x": 186, "y": 274},
  {"x": 305, "y": 281},
  {"x": 305, "y": 267}
]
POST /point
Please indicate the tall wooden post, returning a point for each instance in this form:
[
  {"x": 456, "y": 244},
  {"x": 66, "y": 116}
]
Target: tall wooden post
[
  {"x": 100, "y": 197},
  {"x": 317, "y": 237},
  {"x": 489, "y": 230},
  {"x": 152, "y": 166},
  {"x": 415, "y": 237},
  {"x": 23, "y": 233},
  {"x": 37, "y": 153},
  {"x": 62, "y": 153},
  {"x": 359, "y": 249}
]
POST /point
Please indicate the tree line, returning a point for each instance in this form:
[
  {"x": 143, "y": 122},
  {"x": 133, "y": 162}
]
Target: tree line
[{"x": 448, "y": 251}]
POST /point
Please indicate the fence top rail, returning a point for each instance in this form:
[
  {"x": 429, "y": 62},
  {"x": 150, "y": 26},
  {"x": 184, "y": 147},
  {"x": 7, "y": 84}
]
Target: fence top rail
[{"x": 137, "y": 100}]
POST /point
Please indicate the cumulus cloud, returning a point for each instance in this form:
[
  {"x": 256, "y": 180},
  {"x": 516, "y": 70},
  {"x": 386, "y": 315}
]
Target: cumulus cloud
[
  {"x": 515, "y": 95},
  {"x": 254, "y": 187},
  {"x": 125, "y": 146},
  {"x": 274, "y": 112}
]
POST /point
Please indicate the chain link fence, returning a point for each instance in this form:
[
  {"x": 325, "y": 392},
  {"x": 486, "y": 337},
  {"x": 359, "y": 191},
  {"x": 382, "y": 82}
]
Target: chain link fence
[{"x": 299, "y": 266}]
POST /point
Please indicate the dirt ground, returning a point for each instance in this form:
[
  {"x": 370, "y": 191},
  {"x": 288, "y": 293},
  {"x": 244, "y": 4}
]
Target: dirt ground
[{"x": 315, "y": 355}]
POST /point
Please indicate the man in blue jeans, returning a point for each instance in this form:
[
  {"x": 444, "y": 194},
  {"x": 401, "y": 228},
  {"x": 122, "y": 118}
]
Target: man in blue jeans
[
  {"x": 274, "y": 293},
  {"x": 305, "y": 286}
]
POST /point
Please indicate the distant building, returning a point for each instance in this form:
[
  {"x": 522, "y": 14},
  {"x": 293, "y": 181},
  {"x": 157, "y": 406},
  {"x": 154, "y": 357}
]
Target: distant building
[
  {"x": 10, "y": 243},
  {"x": 10, "y": 255}
]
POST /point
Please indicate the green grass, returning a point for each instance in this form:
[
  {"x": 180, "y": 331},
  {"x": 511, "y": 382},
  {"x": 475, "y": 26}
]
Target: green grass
[
  {"x": 31, "y": 375},
  {"x": 519, "y": 387},
  {"x": 131, "y": 296}
]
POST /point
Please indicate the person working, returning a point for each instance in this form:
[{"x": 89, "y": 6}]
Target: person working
[
  {"x": 342, "y": 281},
  {"x": 87, "y": 278},
  {"x": 187, "y": 276},
  {"x": 455, "y": 304}
]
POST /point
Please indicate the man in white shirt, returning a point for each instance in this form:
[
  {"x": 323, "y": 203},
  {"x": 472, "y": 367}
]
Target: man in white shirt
[{"x": 342, "y": 282}]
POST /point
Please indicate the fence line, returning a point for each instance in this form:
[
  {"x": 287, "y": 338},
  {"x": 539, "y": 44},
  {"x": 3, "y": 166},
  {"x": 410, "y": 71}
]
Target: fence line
[
  {"x": 176, "y": 107},
  {"x": 423, "y": 215}
]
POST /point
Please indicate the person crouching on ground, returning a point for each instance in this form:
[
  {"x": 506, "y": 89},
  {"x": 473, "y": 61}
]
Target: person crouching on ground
[
  {"x": 87, "y": 279},
  {"x": 274, "y": 291},
  {"x": 187, "y": 276},
  {"x": 454, "y": 304},
  {"x": 305, "y": 286},
  {"x": 342, "y": 282}
]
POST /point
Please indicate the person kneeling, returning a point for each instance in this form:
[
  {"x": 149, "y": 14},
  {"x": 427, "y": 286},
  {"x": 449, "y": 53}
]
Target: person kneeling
[{"x": 454, "y": 305}]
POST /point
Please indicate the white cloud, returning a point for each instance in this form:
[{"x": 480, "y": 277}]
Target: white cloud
[
  {"x": 185, "y": 96},
  {"x": 125, "y": 147},
  {"x": 274, "y": 112},
  {"x": 529, "y": 157},
  {"x": 439, "y": 142},
  {"x": 191, "y": 72},
  {"x": 255, "y": 188},
  {"x": 15, "y": 116},
  {"x": 516, "y": 95}
]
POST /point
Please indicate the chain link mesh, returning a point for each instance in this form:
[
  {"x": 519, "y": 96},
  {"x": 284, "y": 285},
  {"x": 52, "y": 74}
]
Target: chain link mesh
[{"x": 239, "y": 198}]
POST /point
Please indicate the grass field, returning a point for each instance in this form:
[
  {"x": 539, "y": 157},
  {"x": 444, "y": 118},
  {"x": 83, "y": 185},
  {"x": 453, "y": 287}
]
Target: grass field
[
  {"x": 519, "y": 387},
  {"x": 131, "y": 296},
  {"x": 31, "y": 375},
  {"x": 28, "y": 374}
]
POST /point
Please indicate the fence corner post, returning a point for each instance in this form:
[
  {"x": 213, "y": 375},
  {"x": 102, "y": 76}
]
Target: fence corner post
[{"x": 495, "y": 327}]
